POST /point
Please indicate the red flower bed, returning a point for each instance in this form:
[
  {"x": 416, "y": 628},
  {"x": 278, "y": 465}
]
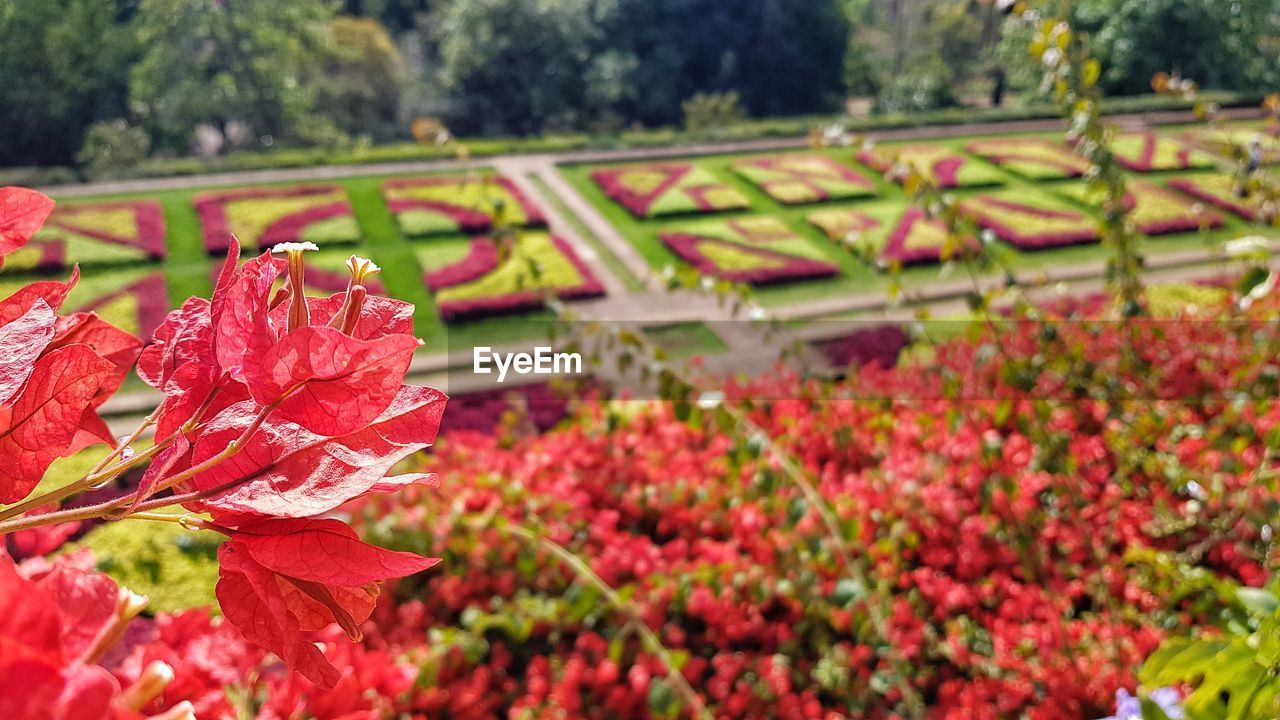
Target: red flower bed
[
  {"x": 994, "y": 546},
  {"x": 96, "y": 233}
]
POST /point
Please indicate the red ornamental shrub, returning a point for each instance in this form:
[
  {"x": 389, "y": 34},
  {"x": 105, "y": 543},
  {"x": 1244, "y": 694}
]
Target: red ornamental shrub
[{"x": 277, "y": 408}]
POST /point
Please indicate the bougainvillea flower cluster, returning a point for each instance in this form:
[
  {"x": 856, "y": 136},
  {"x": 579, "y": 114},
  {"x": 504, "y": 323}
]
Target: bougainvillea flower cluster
[
  {"x": 759, "y": 249},
  {"x": 661, "y": 189},
  {"x": 799, "y": 179},
  {"x": 268, "y": 216},
  {"x": 447, "y": 204},
  {"x": 278, "y": 407}
]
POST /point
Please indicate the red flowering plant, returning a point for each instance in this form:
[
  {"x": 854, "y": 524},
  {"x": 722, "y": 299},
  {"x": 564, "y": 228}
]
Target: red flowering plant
[{"x": 277, "y": 409}]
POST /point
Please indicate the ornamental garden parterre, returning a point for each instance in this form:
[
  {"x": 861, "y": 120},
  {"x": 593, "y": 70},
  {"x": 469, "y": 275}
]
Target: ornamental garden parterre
[{"x": 792, "y": 218}]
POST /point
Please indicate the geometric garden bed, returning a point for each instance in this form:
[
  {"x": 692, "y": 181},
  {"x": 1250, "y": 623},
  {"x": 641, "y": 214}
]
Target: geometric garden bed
[
  {"x": 481, "y": 277},
  {"x": 1030, "y": 221},
  {"x": 444, "y": 204},
  {"x": 99, "y": 233},
  {"x": 888, "y": 235},
  {"x": 797, "y": 179},
  {"x": 757, "y": 249},
  {"x": 664, "y": 189},
  {"x": 267, "y": 216}
]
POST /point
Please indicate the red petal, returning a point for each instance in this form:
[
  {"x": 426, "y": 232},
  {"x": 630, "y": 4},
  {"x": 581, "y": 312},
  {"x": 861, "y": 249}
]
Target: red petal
[
  {"x": 241, "y": 321},
  {"x": 295, "y": 473},
  {"x": 324, "y": 551},
  {"x": 118, "y": 347},
  {"x": 22, "y": 212},
  {"x": 379, "y": 317},
  {"x": 51, "y": 291},
  {"x": 251, "y": 600},
  {"x": 185, "y": 337},
  {"x": 345, "y": 383},
  {"x": 21, "y": 343},
  {"x": 24, "y": 611},
  {"x": 44, "y": 419}
]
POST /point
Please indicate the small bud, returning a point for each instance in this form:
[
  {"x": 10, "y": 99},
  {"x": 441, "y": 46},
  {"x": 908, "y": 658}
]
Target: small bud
[{"x": 348, "y": 316}]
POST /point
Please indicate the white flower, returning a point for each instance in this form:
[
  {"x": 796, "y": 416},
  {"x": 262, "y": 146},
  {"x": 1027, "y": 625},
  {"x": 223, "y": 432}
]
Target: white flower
[
  {"x": 289, "y": 247},
  {"x": 1246, "y": 246}
]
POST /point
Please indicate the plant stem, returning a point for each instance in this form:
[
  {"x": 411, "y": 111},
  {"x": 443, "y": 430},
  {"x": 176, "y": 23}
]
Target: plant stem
[
  {"x": 653, "y": 644},
  {"x": 105, "y": 508}
]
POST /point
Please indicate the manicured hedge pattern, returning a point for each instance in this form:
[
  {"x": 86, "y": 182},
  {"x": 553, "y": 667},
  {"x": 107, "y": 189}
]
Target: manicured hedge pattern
[
  {"x": 1036, "y": 158},
  {"x": 95, "y": 234},
  {"x": 1155, "y": 210},
  {"x": 759, "y": 250},
  {"x": 1147, "y": 152},
  {"x": 490, "y": 280},
  {"x": 663, "y": 189},
  {"x": 940, "y": 164},
  {"x": 1030, "y": 221},
  {"x": 799, "y": 179},
  {"x": 895, "y": 235},
  {"x": 1233, "y": 141},
  {"x": 1222, "y": 191},
  {"x": 441, "y": 205},
  {"x": 265, "y": 217}
]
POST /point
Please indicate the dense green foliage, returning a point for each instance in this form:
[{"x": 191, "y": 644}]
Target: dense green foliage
[
  {"x": 65, "y": 65},
  {"x": 219, "y": 78}
]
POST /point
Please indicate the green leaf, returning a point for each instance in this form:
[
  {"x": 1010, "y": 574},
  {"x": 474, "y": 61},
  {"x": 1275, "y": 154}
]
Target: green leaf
[{"x": 1257, "y": 601}]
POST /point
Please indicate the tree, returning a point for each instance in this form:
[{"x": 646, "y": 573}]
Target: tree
[
  {"x": 519, "y": 65},
  {"x": 755, "y": 47},
  {"x": 358, "y": 83},
  {"x": 64, "y": 65},
  {"x": 219, "y": 61},
  {"x": 1228, "y": 45}
]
